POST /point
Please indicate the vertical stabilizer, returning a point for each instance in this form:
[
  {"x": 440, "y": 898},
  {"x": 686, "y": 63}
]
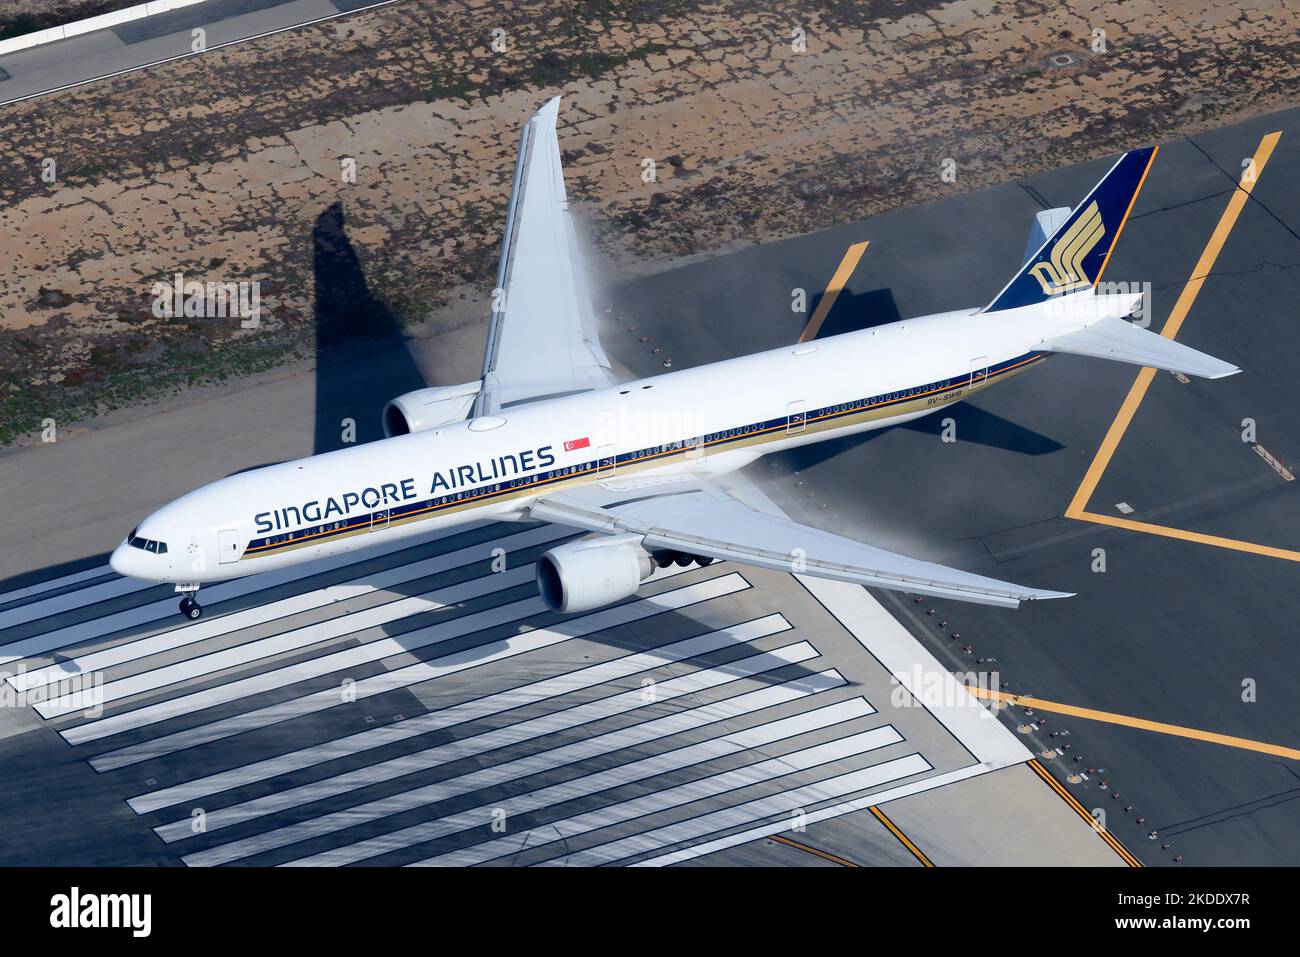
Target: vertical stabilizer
[{"x": 1075, "y": 255}]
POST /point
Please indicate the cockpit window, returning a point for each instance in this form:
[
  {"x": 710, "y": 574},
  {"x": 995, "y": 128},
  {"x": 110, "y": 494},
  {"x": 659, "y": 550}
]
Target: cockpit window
[{"x": 146, "y": 544}]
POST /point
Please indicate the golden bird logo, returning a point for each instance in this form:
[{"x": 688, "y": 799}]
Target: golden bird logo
[{"x": 1064, "y": 271}]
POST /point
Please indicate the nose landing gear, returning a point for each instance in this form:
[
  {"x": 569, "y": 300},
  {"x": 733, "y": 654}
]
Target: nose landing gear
[{"x": 190, "y": 606}]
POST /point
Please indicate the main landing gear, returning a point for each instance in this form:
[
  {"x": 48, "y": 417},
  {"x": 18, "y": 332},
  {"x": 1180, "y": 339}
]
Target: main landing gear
[
  {"x": 665, "y": 558},
  {"x": 190, "y": 606}
]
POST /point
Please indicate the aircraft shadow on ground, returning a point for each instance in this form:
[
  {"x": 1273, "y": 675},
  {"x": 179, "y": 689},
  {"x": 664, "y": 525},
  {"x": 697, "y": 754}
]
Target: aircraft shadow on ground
[
  {"x": 854, "y": 311},
  {"x": 974, "y": 425},
  {"x": 362, "y": 358},
  {"x": 626, "y": 638}
]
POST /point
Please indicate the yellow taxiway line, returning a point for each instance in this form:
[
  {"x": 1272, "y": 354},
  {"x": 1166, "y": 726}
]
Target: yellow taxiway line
[
  {"x": 841, "y": 278},
  {"x": 903, "y": 838},
  {"x": 1078, "y": 505},
  {"x": 1143, "y": 724},
  {"x": 1115, "y": 843},
  {"x": 816, "y": 852}
]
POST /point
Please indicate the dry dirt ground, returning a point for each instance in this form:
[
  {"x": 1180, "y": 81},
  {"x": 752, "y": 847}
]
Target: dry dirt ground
[{"x": 228, "y": 166}]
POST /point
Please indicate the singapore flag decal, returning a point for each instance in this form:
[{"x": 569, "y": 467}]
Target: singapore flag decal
[{"x": 574, "y": 444}]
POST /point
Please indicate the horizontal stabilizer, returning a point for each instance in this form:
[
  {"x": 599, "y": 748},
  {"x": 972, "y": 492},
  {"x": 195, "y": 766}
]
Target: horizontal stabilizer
[{"x": 1118, "y": 339}]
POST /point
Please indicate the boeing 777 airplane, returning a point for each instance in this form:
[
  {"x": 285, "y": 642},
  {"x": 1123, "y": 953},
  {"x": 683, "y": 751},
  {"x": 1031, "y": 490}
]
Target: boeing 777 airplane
[{"x": 550, "y": 434}]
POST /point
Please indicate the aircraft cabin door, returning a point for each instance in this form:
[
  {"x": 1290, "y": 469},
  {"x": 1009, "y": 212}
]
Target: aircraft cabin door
[
  {"x": 979, "y": 371},
  {"x": 605, "y": 461},
  {"x": 796, "y": 419},
  {"x": 227, "y": 546},
  {"x": 379, "y": 520}
]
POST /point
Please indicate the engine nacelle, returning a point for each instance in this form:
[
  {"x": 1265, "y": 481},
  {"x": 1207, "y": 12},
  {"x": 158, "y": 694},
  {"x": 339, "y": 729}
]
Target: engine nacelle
[
  {"x": 587, "y": 574},
  {"x": 429, "y": 408}
]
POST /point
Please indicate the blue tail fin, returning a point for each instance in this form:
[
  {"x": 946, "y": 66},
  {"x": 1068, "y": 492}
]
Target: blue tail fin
[{"x": 1074, "y": 257}]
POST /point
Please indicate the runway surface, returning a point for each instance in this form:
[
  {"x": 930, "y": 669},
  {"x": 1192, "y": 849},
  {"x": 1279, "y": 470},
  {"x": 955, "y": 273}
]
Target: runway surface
[
  {"x": 418, "y": 705},
  {"x": 156, "y": 39}
]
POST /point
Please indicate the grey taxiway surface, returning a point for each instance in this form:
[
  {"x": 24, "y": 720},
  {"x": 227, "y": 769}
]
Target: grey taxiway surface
[
  {"x": 236, "y": 740},
  {"x": 131, "y": 46}
]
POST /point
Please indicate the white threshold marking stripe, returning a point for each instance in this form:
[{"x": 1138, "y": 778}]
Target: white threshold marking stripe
[
  {"x": 367, "y": 653},
  {"x": 27, "y": 591},
  {"x": 825, "y": 814},
  {"x": 198, "y": 631},
  {"x": 713, "y": 786},
  {"x": 165, "y": 609},
  {"x": 471, "y": 710},
  {"x": 484, "y": 743},
  {"x": 780, "y": 804},
  {"x": 58, "y": 604},
  {"x": 324, "y": 664},
  {"x": 601, "y": 781},
  {"x": 557, "y": 757},
  {"x": 418, "y": 672},
  {"x": 297, "y": 639}
]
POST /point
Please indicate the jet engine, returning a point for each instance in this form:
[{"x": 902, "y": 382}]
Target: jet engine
[
  {"x": 586, "y": 574},
  {"x": 429, "y": 408}
]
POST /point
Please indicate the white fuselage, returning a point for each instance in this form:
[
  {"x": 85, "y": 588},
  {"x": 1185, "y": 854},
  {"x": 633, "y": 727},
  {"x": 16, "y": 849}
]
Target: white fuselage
[{"x": 708, "y": 420}]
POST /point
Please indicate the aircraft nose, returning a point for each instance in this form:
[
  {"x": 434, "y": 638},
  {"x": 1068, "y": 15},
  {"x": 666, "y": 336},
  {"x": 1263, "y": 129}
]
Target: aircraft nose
[{"x": 120, "y": 560}]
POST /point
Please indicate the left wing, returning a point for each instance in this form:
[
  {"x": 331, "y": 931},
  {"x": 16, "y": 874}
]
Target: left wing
[
  {"x": 542, "y": 340},
  {"x": 686, "y": 515}
]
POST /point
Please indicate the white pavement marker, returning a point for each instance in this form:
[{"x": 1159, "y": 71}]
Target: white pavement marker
[
  {"x": 725, "y": 782},
  {"x": 215, "y": 627},
  {"x": 750, "y": 739},
  {"x": 556, "y": 757},
  {"x": 875, "y": 798},
  {"x": 63, "y": 581},
  {"x": 742, "y": 814},
  {"x": 479, "y": 744},
  {"x": 366, "y": 653},
  {"x": 58, "y": 604},
  {"x": 388, "y": 681},
  {"x": 163, "y": 611},
  {"x": 294, "y": 640},
  {"x": 471, "y": 710}
]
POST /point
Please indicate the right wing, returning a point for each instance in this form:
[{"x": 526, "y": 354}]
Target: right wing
[
  {"x": 698, "y": 518},
  {"x": 542, "y": 341}
]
